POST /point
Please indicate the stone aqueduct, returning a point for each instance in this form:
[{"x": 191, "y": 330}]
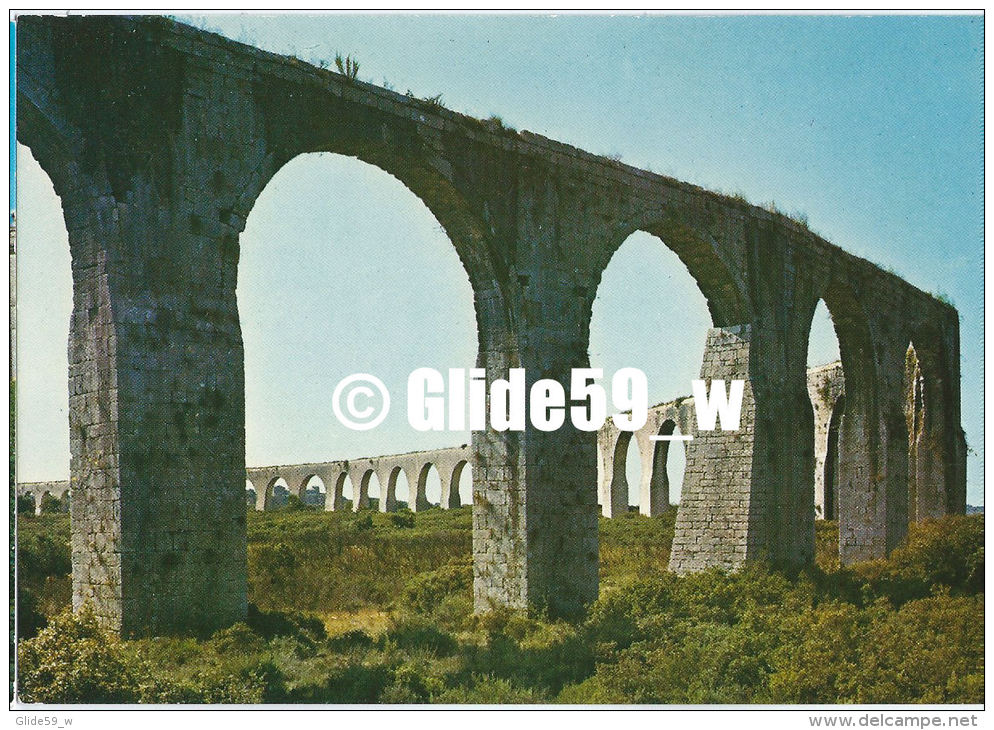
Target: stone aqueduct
[{"x": 158, "y": 138}]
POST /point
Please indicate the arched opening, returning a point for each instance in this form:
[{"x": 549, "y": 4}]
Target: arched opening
[
  {"x": 455, "y": 484},
  {"x": 347, "y": 492},
  {"x": 44, "y": 291},
  {"x": 297, "y": 352},
  {"x": 314, "y": 493},
  {"x": 370, "y": 489},
  {"x": 277, "y": 493},
  {"x": 429, "y": 486},
  {"x": 465, "y": 485},
  {"x": 627, "y": 475},
  {"x": 825, "y": 385},
  {"x": 400, "y": 487},
  {"x": 668, "y": 465},
  {"x": 50, "y": 504},
  {"x": 251, "y": 495},
  {"x": 650, "y": 313}
]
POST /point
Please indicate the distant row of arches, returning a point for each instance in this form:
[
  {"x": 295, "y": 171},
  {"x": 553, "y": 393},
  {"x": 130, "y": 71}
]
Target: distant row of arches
[
  {"x": 43, "y": 497},
  {"x": 416, "y": 480},
  {"x": 659, "y": 485}
]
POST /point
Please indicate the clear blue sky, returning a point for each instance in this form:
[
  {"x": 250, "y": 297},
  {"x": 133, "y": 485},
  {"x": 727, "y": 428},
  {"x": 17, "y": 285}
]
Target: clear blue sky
[{"x": 870, "y": 126}]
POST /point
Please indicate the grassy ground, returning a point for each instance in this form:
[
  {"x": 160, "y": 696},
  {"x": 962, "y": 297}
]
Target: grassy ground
[{"x": 377, "y": 608}]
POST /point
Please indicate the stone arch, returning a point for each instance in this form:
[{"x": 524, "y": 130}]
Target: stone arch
[
  {"x": 619, "y": 474},
  {"x": 393, "y": 478},
  {"x": 341, "y": 481},
  {"x": 277, "y": 491},
  {"x": 659, "y": 481},
  {"x": 465, "y": 231},
  {"x": 941, "y": 451},
  {"x": 54, "y": 141},
  {"x": 421, "y": 498},
  {"x": 696, "y": 249},
  {"x": 366, "y": 489},
  {"x": 451, "y": 499},
  {"x": 472, "y": 238},
  {"x": 48, "y": 502},
  {"x": 307, "y": 488},
  {"x": 40, "y": 238}
]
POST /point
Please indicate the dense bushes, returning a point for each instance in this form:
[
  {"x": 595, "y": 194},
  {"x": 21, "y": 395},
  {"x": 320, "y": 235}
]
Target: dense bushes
[
  {"x": 396, "y": 598},
  {"x": 72, "y": 661}
]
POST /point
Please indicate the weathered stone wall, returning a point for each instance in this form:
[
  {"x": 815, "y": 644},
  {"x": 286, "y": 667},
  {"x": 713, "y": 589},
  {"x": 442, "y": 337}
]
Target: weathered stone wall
[
  {"x": 719, "y": 522},
  {"x": 158, "y": 139}
]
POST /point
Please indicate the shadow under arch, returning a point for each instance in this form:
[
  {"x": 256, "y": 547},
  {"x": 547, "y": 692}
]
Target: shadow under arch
[
  {"x": 454, "y": 498},
  {"x": 277, "y": 491},
  {"x": 660, "y": 485},
  {"x": 366, "y": 487},
  {"x": 393, "y": 482},
  {"x": 419, "y": 500},
  {"x": 312, "y": 490}
]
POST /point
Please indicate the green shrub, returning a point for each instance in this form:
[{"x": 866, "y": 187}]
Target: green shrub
[
  {"x": 691, "y": 663},
  {"x": 51, "y": 504},
  {"x": 295, "y": 504},
  {"x": 25, "y": 504},
  {"x": 945, "y": 552},
  {"x": 42, "y": 554},
  {"x": 485, "y": 690},
  {"x": 402, "y": 518},
  {"x": 931, "y": 651},
  {"x": 426, "y": 591},
  {"x": 414, "y": 681},
  {"x": 417, "y": 632},
  {"x": 819, "y": 661},
  {"x": 73, "y": 661},
  {"x": 237, "y": 639},
  {"x": 948, "y": 551},
  {"x": 906, "y": 629}
]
